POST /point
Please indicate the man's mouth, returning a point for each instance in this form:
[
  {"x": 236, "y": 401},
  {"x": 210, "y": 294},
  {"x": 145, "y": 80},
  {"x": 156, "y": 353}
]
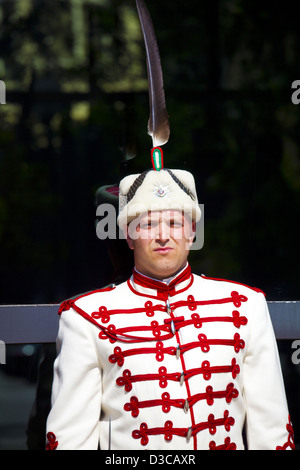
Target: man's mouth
[{"x": 165, "y": 249}]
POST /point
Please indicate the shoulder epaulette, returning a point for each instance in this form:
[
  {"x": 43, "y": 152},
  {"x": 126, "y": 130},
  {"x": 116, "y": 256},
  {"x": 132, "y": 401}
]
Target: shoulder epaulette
[
  {"x": 256, "y": 289},
  {"x": 68, "y": 303}
]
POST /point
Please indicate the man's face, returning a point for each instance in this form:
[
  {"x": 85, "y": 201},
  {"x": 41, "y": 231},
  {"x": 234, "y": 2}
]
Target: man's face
[{"x": 161, "y": 241}]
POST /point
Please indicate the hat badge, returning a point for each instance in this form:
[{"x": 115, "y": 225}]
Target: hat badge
[{"x": 161, "y": 191}]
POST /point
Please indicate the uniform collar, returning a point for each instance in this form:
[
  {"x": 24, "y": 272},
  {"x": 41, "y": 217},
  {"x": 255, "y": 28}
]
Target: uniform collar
[{"x": 147, "y": 286}]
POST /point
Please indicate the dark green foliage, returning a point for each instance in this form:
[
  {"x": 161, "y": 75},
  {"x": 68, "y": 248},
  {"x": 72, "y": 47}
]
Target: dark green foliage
[{"x": 77, "y": 102}]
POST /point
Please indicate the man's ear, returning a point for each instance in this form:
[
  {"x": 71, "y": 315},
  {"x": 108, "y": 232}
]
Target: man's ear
[
  {"x": 193, "y": 228},
  {"x": 129, "y": 241},
  {"x": 190, "y": 237},
  {"x": 193, "y": 233}
]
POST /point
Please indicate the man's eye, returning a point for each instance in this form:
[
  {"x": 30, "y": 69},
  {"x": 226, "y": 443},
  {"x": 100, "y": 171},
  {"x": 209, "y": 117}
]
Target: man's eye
[
  {"x": 176, "y": 224},
  {"x": 147, "y": 225}
]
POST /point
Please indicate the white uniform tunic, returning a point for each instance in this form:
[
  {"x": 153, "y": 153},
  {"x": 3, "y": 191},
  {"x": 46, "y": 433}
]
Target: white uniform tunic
[{"x": 184, "y": 366}]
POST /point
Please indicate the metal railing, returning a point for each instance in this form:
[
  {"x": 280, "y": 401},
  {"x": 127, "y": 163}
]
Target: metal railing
[{"x": 29, "y": 324}]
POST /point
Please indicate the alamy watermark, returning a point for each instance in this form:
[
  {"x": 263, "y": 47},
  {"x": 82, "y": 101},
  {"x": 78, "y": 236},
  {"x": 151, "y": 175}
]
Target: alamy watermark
[
  {"x": 296, "y": 353},
  {"x": 2, "y": 352},
  {"x": 2, "y": 92},
  {"x": 296, "y": 94},
  {"x": 107, "y": 226}
]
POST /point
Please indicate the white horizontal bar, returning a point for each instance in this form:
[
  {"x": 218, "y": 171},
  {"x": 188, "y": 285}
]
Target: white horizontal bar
[{"x": 39, "y": 323}]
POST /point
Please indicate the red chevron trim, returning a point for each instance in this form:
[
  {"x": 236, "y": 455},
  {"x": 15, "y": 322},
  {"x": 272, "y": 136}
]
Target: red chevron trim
[
  {"x": 169, "y": 431},
  {"x": 126, "y": 380},
  {"x": 167, "y": 403},
  {"x": 228, "y": 445}
]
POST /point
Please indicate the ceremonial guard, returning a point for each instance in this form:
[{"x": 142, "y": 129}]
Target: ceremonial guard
[{"x": 167, "y": 359}]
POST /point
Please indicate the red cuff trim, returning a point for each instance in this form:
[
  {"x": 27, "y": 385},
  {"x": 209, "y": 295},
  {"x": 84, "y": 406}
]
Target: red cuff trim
[
  {"x": 290, "y": 442},
  {"x": 52, "y": 442}
]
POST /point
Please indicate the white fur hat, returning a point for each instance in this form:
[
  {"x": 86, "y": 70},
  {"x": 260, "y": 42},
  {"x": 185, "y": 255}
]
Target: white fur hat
[{"x": 156, "y": 191}]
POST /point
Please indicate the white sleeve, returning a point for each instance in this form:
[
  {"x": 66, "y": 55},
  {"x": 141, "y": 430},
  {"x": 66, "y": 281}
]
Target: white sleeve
[
  {"x": 73, "y": 422},
  {"x": 267, "y": 417}
]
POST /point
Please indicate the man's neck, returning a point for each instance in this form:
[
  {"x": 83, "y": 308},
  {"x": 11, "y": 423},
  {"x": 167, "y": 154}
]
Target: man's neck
[{"x": 166, "y": 280}]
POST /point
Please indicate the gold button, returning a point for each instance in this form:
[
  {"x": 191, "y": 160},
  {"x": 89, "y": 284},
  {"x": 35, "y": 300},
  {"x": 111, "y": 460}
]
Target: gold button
[
  {"x": 181, "y": 378},
  {"x": 186, "y": 406},
  {"x": 189, "y": 434}
]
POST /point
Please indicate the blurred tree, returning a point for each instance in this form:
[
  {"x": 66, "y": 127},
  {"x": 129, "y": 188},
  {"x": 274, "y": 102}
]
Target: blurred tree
[{"x": 77, "y": 100}]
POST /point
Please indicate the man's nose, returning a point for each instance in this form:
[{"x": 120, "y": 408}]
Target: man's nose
[{"x": 163, "y": 233}]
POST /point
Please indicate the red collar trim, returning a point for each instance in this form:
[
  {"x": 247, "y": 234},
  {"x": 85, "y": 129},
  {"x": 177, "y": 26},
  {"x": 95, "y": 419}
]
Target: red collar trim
[{"x": 162, "y": 290}]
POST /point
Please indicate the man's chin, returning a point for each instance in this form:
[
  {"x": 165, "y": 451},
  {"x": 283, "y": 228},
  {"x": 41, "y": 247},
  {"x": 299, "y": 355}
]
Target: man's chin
[{"x": 165, "y": 269}]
